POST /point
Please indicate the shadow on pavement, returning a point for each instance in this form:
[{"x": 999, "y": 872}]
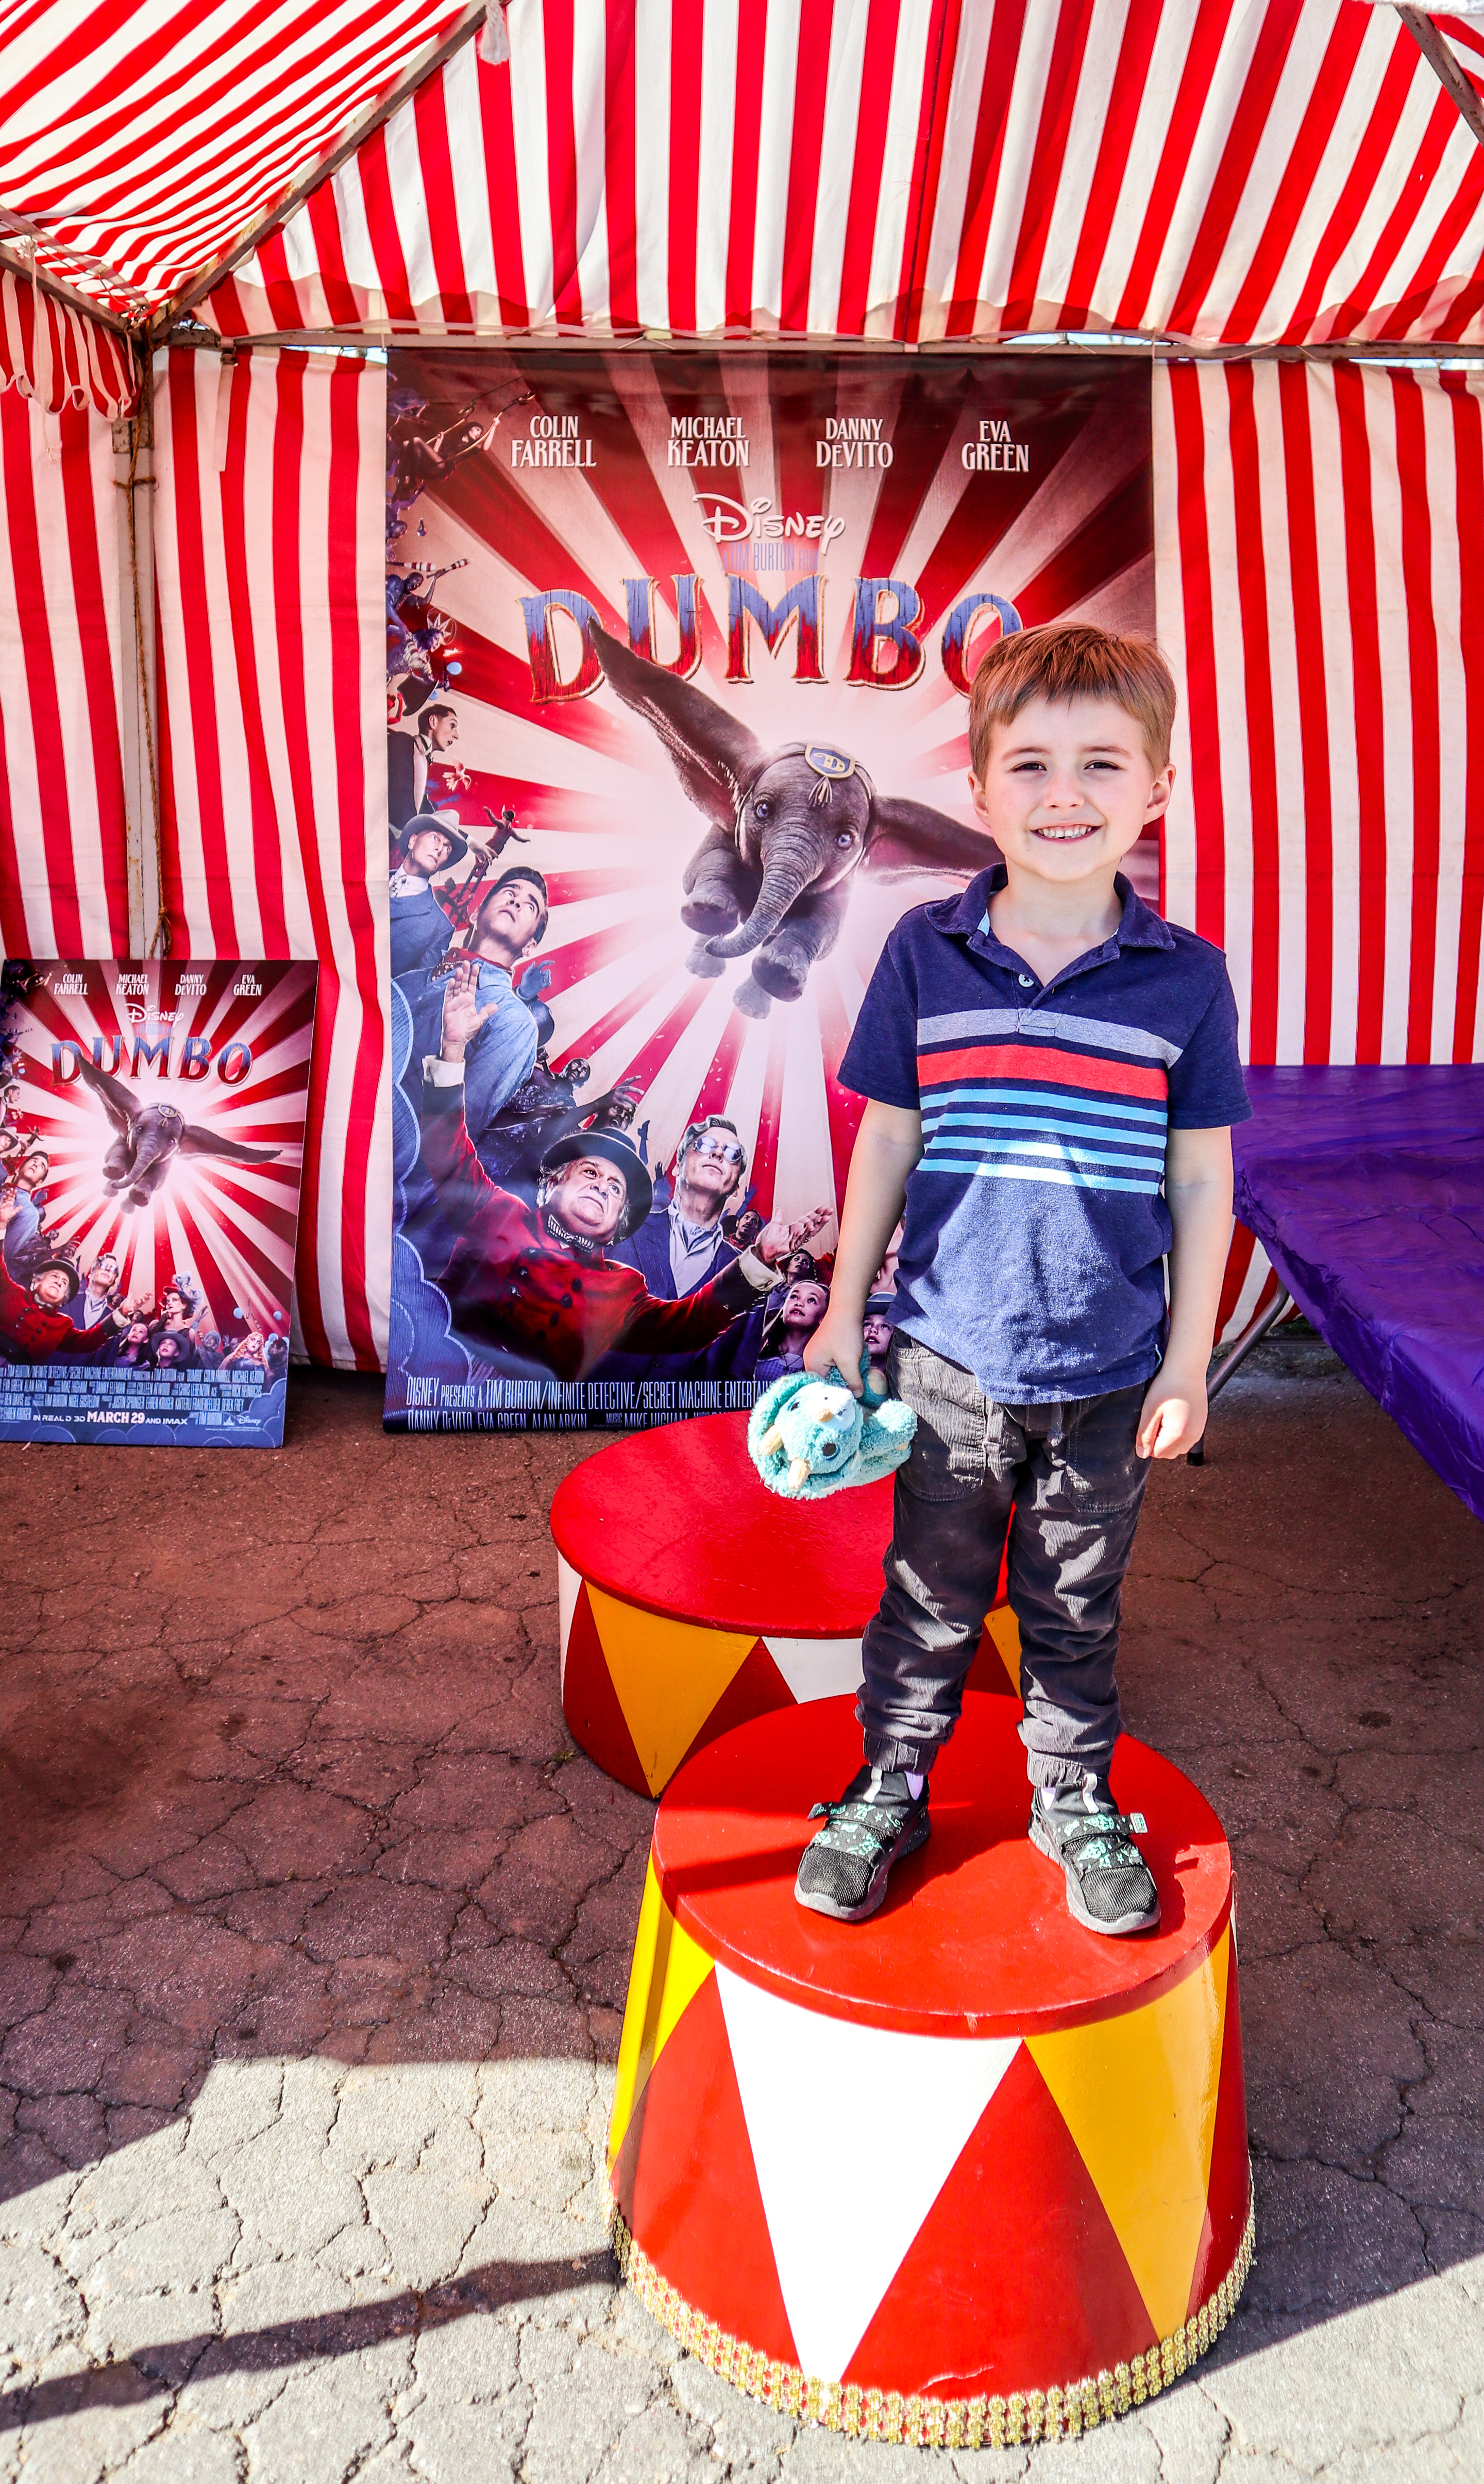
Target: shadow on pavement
[{"x": 157, "y": 2370}]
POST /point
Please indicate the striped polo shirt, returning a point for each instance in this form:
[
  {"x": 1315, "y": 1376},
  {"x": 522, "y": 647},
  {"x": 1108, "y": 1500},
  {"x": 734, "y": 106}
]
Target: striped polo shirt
[{"x": 1035, "y": 1227}]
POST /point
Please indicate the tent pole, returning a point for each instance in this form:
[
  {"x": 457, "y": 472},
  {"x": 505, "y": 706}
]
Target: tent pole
[
  {"x": 67, "y": 294},
  {"x": 1445, "y": 68},
  {"x": 134, "y": 482}
]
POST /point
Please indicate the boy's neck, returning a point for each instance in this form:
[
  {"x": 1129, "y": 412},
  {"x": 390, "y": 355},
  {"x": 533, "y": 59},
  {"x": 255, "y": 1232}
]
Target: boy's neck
[
  {"x": 1087, "y": 909},
  {"x": 1052, "y": 924}
]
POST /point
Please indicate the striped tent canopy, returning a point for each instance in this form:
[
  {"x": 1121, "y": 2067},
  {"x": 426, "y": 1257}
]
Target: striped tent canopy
[
  {"x": 1226, "y": 171},
  {"x": 1222, "y": 174},
  {"x": 140, "y": 139},
  {"x": 1219, "y": 170}
]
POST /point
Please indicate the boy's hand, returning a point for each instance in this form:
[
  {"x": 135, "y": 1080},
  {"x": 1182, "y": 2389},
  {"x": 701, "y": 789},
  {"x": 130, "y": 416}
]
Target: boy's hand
[
  {"x": 837, "y": 1340},
  {"x": 1173, "y": 1417}
]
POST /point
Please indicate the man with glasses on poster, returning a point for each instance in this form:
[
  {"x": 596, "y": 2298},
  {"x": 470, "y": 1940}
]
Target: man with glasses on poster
[{"x": 683, "y": 1243}]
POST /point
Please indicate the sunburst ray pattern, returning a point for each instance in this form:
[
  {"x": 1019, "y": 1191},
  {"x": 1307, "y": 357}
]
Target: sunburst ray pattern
[{"x": 1066, "y": 531}]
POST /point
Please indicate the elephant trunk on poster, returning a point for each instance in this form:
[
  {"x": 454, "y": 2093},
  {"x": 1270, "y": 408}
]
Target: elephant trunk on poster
[{"x": 785, "y": 874}]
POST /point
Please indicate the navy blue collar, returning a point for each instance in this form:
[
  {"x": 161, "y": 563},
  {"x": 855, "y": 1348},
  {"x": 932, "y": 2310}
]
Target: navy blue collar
[{"x": 969, "y": 913}]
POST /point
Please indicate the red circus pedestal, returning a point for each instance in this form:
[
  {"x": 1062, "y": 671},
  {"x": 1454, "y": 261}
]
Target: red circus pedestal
[
  {"x": 964, "y": 2175},
  {"x": 692, "y": 1599}
]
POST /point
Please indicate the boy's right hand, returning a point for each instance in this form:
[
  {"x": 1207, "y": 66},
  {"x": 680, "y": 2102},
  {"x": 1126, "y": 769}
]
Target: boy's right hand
[{"x": 837, "y": 1341}]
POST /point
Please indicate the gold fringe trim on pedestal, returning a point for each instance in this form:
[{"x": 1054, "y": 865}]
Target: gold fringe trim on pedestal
[{"x": 927, "y": 2423}]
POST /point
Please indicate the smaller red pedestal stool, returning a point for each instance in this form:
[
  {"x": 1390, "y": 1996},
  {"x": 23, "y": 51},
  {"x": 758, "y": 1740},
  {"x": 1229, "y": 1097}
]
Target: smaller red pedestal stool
[{"x": 692, "y": 1599}]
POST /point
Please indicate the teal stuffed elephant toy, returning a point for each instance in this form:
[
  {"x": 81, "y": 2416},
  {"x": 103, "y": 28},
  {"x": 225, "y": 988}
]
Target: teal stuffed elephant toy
[{"x": 810, "y": 1437}]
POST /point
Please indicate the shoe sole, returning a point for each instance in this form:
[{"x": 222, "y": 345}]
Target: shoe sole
[
  {"x": 1120, "y": 1924},
  {"x": 912, "y": 1837}
]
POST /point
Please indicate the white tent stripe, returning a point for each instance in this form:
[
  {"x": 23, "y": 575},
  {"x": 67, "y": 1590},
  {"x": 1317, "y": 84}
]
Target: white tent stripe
[{"x": 293, "y": 669}]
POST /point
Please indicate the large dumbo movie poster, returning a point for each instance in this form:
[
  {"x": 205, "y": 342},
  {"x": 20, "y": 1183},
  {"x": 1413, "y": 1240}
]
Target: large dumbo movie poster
[{"x": 679, "y": 654}]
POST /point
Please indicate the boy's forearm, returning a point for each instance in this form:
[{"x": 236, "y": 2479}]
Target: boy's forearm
[
  {"x": 1200, "y": 1213},
  {"x": 886, "y": 1149}
]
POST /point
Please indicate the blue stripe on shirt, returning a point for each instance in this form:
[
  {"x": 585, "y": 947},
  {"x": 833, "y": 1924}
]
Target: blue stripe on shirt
[
  {"x": 1153, "y": 1139},
  {"x": 1059, "y": 1099}
]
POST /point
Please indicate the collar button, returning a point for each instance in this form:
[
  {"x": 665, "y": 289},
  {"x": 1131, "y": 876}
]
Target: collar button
[{"x": 1027, "y": 982}]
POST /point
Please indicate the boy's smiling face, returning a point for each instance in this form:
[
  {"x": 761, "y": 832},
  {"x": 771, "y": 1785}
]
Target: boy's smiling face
[{"x": 1067, "y": 788}]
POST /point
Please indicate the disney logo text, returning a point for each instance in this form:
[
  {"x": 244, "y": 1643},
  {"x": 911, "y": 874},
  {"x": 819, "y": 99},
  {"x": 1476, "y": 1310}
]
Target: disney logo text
[{"x": 737, "y": 522}]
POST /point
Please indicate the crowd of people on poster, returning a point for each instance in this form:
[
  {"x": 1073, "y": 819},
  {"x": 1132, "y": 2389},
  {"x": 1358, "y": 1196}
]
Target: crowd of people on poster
[{"x": 616, "y": 1185}]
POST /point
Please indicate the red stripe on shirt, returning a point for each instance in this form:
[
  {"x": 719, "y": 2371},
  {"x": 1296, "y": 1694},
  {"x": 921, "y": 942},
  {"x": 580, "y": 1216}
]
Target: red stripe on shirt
[{"x": 1051, "y": 1069}]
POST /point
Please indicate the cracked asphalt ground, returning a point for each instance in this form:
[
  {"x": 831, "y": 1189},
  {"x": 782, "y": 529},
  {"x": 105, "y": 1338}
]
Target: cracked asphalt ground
[{"x": 315, "y": 1936}]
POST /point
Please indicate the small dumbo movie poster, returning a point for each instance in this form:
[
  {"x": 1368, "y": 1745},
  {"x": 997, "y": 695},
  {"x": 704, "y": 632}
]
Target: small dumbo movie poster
[
  {"x": 680, "y": 647},
  {"x": 151, "y": 1141}
]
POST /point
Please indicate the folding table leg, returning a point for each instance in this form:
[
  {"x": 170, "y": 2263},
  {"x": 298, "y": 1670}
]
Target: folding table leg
[{"x": 1251, "y": 1335}]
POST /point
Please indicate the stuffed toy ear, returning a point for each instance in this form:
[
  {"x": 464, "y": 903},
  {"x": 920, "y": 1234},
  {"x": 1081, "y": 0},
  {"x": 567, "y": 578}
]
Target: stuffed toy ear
[
  {"x": 764, "y": 1441},
  {"x": 874, "y": 1397},
  {"x": 886, "y": 1439}
]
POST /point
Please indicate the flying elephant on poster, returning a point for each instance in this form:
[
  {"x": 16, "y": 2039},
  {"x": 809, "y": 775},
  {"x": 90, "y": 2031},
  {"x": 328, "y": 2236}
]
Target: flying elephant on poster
[{"x": 789, "y": 830}]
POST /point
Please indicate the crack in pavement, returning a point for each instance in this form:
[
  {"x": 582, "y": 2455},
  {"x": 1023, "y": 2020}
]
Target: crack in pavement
[{"x": 315, "y": 1935}]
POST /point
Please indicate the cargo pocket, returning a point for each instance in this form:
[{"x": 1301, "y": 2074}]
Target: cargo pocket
[
  {"x": 947, "y": 1458},
  {"x": 1098, "y": 1472}
]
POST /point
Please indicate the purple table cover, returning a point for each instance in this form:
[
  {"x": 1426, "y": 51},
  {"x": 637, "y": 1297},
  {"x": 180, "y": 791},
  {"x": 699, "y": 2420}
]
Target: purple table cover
[{"x": 1365, "y": 1188}]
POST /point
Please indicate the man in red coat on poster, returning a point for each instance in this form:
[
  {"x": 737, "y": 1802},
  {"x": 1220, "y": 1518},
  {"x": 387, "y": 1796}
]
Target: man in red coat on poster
[
  {"x": 536, "y": 1282},
  {"x": 37, "y": 1326}
]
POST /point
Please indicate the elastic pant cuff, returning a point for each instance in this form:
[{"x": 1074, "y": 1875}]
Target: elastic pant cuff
[
  {"x": 881, "y": 1752},
  {"x": 1045, "y": 1769}
]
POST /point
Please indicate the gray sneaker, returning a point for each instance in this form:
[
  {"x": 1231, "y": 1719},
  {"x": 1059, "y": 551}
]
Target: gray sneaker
[
  {"x": 842, "y": 1870},
  {"x": 1109, "y": 1887}
]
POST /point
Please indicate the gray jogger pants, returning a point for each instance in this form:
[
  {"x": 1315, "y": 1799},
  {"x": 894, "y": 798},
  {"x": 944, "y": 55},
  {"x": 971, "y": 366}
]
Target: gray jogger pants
[{"x": 1071, "y": 1474}]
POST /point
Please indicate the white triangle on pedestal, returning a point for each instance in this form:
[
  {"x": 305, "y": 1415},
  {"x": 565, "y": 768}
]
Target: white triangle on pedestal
[
  {"x": 816, "y": 1668},
  {"x": 854, "y": 2130},
  {"x": 569, "y": 1586}
]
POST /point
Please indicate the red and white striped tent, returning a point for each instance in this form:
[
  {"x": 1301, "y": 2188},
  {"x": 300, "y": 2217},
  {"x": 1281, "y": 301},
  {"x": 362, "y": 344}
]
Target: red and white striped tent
[{"x": 1283, "y": 201}]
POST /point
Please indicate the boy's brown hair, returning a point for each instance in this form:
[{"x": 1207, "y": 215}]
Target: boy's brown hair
[{"x": 1072, "y": 660}]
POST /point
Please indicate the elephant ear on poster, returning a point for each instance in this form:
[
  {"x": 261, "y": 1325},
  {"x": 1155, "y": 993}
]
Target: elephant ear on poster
[
  {"x": 715, "y": 757},
  {"x": 908, "y": 837}
]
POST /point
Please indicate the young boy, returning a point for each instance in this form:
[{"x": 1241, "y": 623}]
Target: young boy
[{"x": 1051, "y": 1074}]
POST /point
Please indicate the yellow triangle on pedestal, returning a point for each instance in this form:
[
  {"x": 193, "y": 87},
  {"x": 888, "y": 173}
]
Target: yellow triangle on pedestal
[
  {"x": 670, "y": 1969},
  {"x": 1138, "y": 2094},
  {"x": 668, "y": 1677}
]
